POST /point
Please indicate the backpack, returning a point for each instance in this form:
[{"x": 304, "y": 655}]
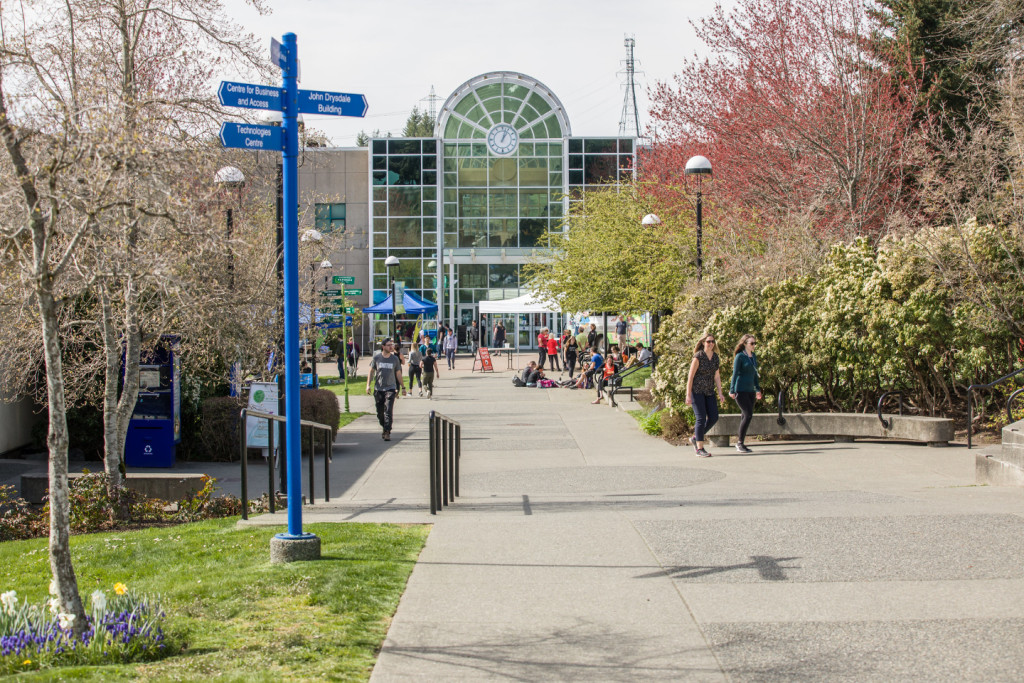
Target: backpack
[{"x": 546, "y": 384}]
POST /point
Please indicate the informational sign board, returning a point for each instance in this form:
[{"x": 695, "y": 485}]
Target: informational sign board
[
  {"x": 343, "y": 280},
  {"x": 355, "y": 291},
  {"x": 485, "y": 360},
  {"x": 262, "y": 397}
]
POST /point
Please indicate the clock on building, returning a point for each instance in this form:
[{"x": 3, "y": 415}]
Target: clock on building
[{"x": 503, "y": 139}]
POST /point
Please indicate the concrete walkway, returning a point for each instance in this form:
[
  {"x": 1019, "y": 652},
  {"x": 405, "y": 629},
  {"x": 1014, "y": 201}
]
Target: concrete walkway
[{"x": 582, "y": 549}]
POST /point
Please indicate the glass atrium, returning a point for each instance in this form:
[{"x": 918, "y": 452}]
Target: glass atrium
[{"x": 464, "y": 211}]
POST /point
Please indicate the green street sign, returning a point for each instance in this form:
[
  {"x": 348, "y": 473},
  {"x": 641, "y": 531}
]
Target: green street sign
[
  {"x": 331, "y": 292},
  {"x": 343, "y": 280},
  {"x": 353, "y": 292},
  {"x": 350, "y": 309}
]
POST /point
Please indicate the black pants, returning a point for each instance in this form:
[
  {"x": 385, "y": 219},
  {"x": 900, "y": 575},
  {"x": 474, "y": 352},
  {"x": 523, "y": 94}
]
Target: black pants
[
  {"x": 705, "y": 410},
  {"x": 542, "y": 354},
  {"x": 570, "y": 362},
  {"x": 745, "y": 400},
  {"x": 415, "y": 373},
  {"x": 385, "y": 401},
  {"x": 553, "y": 361}
]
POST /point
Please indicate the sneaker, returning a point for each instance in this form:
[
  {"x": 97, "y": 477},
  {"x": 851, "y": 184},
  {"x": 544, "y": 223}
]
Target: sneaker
[
  {"x": 701, "y": 453},
  {"x": 421, "y": 392},
  {"x": 387, "y": 436},
  {"x": 430, "y": 394},
  {"x": 693, "y": 442},
  {"x": 743, "y": 449}
]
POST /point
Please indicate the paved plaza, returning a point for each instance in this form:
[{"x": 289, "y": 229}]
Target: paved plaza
[{"x": 583, "y": 549}]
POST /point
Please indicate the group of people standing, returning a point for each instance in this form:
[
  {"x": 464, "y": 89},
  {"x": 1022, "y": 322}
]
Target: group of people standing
[{"x": 704, "y": 380}]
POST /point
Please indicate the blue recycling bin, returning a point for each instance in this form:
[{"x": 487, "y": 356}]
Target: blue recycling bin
[{"x": 154, "y": 431}]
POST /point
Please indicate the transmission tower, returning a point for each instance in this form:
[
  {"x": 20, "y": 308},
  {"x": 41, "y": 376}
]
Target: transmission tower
[
  {"x": 629, "y": 122},
  {"x": 432, "y": 99}
]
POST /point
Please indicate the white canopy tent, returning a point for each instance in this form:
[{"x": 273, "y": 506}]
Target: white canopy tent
[
  {"x": 527, "y": 303},
  {"x": 521, "y": 308}
]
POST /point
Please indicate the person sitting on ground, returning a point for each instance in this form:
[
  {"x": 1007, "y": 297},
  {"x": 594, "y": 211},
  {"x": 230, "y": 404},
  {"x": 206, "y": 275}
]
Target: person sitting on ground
[
  {"x": 527, "y": 370},
  {"x": 536, "y": 375}
]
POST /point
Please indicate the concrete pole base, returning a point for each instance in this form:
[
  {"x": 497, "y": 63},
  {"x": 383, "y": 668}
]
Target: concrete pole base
[{"x": 284, "y": 548}]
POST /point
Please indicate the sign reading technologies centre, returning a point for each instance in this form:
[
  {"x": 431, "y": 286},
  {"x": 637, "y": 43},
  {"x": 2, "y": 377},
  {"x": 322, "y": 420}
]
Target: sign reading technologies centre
[{"x": 251, "y": 136}]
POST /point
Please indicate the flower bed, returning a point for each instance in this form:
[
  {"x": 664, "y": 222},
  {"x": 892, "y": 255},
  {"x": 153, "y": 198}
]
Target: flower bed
[{"x": 123, "y": 628}]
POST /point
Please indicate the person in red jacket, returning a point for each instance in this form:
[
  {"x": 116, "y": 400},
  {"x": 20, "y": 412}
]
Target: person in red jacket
[
  {"x": 552, "y": 344},
  {"x": 542, "y": 347}
]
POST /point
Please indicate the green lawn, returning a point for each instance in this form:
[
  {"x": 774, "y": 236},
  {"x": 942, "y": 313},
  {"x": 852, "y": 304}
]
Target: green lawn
[
  {"x": 637, "y": 379},
  {"x": 242, "y": 618}
]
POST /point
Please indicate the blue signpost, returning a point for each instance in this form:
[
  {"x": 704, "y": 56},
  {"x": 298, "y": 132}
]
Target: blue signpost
[{"x": 293, "y": 545}]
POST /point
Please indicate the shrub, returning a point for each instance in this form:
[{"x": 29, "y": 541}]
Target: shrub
[
  {"x": 650, "y": 422},
  {"x": 321, "y": 405},
  {"x": 221, "y": 421},
  {"x": 18, "y": 519},
  {"x": 676, "y": 425},
  {"x": 92, "y": 508},
  {"x": 220, "y": 436}
]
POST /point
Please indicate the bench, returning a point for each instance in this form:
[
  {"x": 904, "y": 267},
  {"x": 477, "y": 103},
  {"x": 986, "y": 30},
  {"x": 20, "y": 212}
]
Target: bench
[
  {"x": 934, "y": 431},
  {"x": 162, "y": 485}
]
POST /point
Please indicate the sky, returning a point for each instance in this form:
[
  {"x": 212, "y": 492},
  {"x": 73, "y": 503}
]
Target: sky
[{"x": 393, "y": 51}]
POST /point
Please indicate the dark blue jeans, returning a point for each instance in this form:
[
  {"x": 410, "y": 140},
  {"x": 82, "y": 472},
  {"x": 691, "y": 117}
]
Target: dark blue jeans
[{"x": 705, "y": 410}]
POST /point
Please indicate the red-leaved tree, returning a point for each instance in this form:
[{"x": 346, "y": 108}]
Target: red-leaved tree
[{"x": 801, "y": 120}]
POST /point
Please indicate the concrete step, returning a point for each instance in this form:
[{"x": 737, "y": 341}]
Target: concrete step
[{"x": 995, "y": 471}]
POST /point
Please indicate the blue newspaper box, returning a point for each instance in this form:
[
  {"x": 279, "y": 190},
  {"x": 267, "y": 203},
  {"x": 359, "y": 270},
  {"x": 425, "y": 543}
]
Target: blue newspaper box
[{"x": 155, "y": 428}]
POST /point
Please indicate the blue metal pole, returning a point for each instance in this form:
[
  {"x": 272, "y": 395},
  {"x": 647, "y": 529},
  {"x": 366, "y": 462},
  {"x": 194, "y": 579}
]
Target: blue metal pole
[{"x": 291, "y": 288}]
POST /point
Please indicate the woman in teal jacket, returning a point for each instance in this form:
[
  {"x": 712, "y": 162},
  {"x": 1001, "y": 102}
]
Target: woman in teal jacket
[{"x": 745, "y": 387}]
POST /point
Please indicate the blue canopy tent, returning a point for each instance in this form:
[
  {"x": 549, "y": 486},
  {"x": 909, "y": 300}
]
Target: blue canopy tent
[{"x": 413, "y": 306}]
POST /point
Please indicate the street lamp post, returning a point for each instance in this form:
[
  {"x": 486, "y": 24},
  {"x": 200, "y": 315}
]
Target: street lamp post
[
  {"x": 699, "y": 166},
  {"x": 313, "y": 236},
  {"x": 231, "y": 178},
  {"x": 392, "y": 262}
]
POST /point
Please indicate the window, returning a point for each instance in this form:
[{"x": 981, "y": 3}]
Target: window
[{"x": 329, "y": 217}]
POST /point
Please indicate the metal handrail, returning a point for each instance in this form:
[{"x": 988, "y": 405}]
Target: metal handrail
[
  {"x": 328, "y": 441},
  {"x": 781, "y": 404},
  {"x": 888, "y": 424},
  {"x": 970, "y": 402},
  {"x": 1011, "y": 399},
  {"x": 615, "y": 380},
  {"x": 445, "y": 454}
]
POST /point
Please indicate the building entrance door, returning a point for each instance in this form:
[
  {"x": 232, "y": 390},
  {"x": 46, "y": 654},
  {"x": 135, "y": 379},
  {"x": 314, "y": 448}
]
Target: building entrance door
[
  {"x": 467, "y": 314},
  {"x": 530, "y": 325}
]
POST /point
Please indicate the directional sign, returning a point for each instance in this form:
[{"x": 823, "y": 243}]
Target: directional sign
[
  {"x": 353, "y": 292},
  {"x": 331, "y": 292},
  {"x": 332, "y": 103},
  {"x": 276, "y": 55},
  {"x": 350, "y": 309},
  {"x": 251, "y": 136},
  {"x": 344, "y": 280},
  {"x": 250, "y": 96}
]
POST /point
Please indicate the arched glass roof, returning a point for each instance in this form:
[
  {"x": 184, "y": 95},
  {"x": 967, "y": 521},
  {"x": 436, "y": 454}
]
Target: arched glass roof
[{"x": 480, "y": 103}]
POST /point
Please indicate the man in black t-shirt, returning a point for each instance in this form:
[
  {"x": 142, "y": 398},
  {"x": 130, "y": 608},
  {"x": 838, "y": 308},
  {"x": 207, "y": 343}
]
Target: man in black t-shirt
[{"x": 430, "y": 366}]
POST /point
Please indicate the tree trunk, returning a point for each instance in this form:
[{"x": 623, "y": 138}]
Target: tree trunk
[{"x": 57, "y": 442}]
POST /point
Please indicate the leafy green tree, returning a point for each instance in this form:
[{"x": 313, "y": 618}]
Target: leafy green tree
[{"x": 607, "y": 260}]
